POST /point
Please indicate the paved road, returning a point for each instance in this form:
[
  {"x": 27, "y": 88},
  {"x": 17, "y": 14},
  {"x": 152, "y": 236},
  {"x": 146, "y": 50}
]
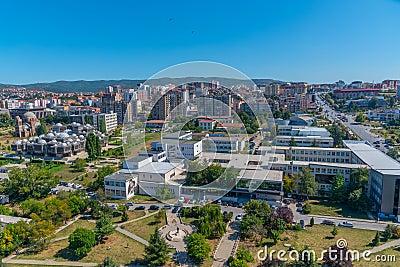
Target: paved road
[
  {"x": 360, "y": 130},
  {"x": 357, "y": 223},
  {"x": 228, "y": 245}
]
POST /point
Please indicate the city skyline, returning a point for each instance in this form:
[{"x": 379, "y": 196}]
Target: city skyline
[{"x": 316, "y": 42}]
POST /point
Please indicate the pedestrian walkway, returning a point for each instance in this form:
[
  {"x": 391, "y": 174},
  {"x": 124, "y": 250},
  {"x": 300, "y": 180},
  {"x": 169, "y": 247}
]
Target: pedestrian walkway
[
  {"x": 133, "y": 236},
  {"x": 227, "y": 246},
  {"x": 137, "y": 219},
  {"x": 387, "y": 245}
]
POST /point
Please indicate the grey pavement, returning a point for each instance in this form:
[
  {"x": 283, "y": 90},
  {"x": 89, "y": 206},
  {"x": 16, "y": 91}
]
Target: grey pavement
[
  {"x": 394, "y": 243},
  {"x": 227, "y": 246},
  {"x": 133, "y": 236}
]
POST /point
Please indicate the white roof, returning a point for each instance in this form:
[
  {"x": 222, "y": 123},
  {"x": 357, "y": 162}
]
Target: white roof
[{"x": 374, "y": 158}]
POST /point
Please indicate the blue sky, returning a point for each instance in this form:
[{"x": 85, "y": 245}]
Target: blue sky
[{"x": 292, "y": 40}]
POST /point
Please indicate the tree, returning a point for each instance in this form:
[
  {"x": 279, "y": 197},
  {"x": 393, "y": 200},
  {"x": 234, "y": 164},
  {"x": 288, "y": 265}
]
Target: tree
[
  {"x": 104, "y": 227},
  {"x": 306, "y": 208},
  {"x": 197, "y": 247},
  {"x": 376, "y": 240},
  {"x": 163, "y": 193},
  {"x": 41, "y": 129},
  {"x": 244, "y": 254},
  {"x": 252, "y": 226},
  {"x": 388, "y": 233},
  {"x": 108, "y": 262},
  {"x": 102, "y": 126},
  {"x": 338, "y": 188},
  {"x": 292, "y": 142},
  {"x": 77, "y": 204},
  {"x": 283, "y": 213},
  {"x": 358, "y": 178},
  {"x": 307, "y": 186},
  {"x": 30, "y": 182},
  {"x": 79, "y": 165},
  {"x": 156, "y": 253},
  {"x": 334, "y": 231},
  {"x": 237, "y": 263},
  {"x": 93, "y": 146},
  {"x": 393, "y": 153},
  {"x": 286, "y": 115},
  {"x": 373, "y": 103},
  {"x": 124, "y": 217},
  {"x": 392, "y": 101},
  {"x": 337, "y": 257},
  {"x": 314, "y": 143},
  {"x": 360, "y": 117},
  {"x": 81, "y": 241},
  {"x": 289, "y": 183}
]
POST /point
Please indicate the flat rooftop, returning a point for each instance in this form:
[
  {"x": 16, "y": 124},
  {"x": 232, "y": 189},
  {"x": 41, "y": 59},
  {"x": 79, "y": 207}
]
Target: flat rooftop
[
  {"x": 311, "y": 137},
  {"x": 121, "y": 175},
  {"x": 157, "y": 167},
  {"x": 274, "y": 148},
  {"x": 373, "y": 157},
  {"x": 261, "y": 175}
]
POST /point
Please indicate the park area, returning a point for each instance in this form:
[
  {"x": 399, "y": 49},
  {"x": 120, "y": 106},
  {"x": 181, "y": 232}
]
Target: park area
[
  {"x": 328, "y": 208},
  {"x": 121, "y": 248},
  {"x": 319, "y": 237}
]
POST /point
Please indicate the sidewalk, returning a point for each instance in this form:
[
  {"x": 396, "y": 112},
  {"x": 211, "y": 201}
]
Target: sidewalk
[
  {"x": 228, "y": 245},
  {"x": 393, "y": 243}
]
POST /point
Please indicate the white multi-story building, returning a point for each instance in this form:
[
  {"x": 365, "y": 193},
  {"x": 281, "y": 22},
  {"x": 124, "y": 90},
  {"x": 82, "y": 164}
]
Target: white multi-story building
[{"x": 283, "y": 140}]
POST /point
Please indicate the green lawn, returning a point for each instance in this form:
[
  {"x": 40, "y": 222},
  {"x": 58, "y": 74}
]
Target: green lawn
[
  {"x": 131, "y": 215},
  {"x": 319, "y": 238},
  {"x": 328, "y": 208},
  {"x": 69, "y": 229},
  {"x": 121, "y": 248},
  {"x": 67, "y": 173},
  {"x": 144, "y": 228}
]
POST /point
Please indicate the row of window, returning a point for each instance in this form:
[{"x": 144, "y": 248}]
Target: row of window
[
  {"x": 334, "y": 160},
  {"x": 114, "y": 183}
]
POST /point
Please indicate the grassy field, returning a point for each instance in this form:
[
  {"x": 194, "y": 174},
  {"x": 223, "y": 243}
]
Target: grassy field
[
  {"x": 131, "y": 215},
  {"x": 333, "y": 209},
  {"x": 144, "y": 228},
  {"x": 121, "y": 248},
  {"x": 69, "y": 229},
  {"x": 319, "y": 238}
]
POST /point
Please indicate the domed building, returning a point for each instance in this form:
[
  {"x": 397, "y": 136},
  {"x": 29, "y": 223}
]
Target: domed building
[
  {"x": 25, "y": 126},
  {"x": 61, "y": 141}
]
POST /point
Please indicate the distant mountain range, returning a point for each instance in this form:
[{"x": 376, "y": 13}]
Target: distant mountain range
[{"x": 99, "y": 85}]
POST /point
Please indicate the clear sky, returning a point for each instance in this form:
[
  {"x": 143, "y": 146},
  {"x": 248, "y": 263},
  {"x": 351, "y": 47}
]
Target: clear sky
[{"x": 291, "y": 40}]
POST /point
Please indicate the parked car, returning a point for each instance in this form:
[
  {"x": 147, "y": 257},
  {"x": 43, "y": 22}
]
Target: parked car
[
  {"x": 328, "y": 222},
  {"x": 299, "y": 204},
  {"x": 175, "y": 209},
  {"x": 286, "y": 201},
  {"x": 114, "y": 207},
  {"x": 140, "y": 208},
  {"x": 346, "y": 224},
  {"x": 239, "y": 217},
  {"x": 167, "y": 206},
  {"x": 129, "y": 204},
  {"x": 154, "y": 207}
]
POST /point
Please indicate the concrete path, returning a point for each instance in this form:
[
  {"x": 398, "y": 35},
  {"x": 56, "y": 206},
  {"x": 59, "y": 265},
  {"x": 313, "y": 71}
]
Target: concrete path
[
  {"x": 49, "y": 263},
  {"x": 137, "y": 219},
  {"x": 389, "y": 244},
  {"x": 228, "y": 245},
  {"x": 133, "y": 236}
]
